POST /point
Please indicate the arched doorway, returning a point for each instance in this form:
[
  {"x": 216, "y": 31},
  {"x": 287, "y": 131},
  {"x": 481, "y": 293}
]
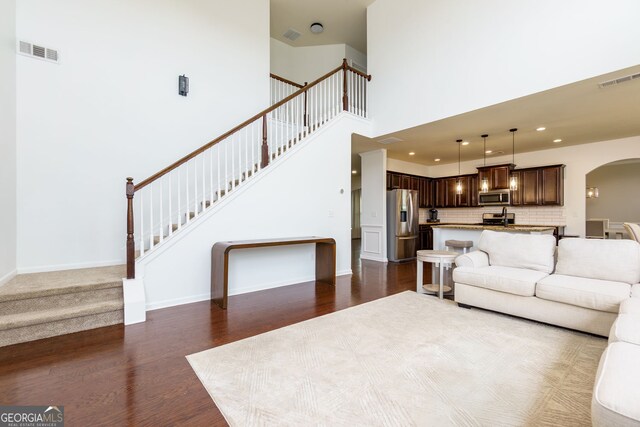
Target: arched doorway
[{"x": 613, "y": 196}]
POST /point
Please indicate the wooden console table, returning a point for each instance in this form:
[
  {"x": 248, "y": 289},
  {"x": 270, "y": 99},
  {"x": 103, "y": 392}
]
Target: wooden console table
[{"x": 325, "y": 261}]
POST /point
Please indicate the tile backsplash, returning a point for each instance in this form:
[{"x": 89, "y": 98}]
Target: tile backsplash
[{"x": 543, "y": 215}]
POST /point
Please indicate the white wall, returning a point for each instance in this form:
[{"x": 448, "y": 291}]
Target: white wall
[
  {"x": 298, "y": 195},
  {"x": 373, "y": 217},
  {"x": 579, "y": 161},
  {"x": 438, "y": 58},
  {"x": 307, "y": 63},
  {"x": 7, "y": 140},
  {"x": 110, "y": 109},
  {"x": 619, "y": 194}
]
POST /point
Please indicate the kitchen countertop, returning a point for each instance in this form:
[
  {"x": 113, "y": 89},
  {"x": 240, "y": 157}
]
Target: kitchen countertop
[{"x": 530, "y": 228}]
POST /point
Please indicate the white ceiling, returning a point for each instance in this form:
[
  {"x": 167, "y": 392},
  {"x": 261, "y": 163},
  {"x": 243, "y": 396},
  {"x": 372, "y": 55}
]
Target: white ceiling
[
  {"x": 344, "y": 21},
  {"x": 578, "y": 113}
]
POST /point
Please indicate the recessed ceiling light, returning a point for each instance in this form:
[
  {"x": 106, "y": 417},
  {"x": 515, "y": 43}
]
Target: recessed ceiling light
[
  {"x": 412, "y": 153},
  {"x": 557, "y": 140},
  {"x": 436, "y": 160},
  {"x": 541, "y": 128},
  {"x": 316, "y": 28},
  {"x": 354, "y": 172},
  {"x": 488, "y": 152},
  {"x": 465, "y": 142}
]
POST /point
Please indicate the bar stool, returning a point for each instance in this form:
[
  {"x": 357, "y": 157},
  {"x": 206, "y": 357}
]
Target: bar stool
[{"x": 452, "y": 245}]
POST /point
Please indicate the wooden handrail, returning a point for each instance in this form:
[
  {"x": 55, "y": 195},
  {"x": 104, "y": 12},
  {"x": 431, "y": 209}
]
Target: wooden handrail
[
  {"x": 360, "y": 73},
  {"x": 283, "y": 80},
  {"x": 225, "y": 135}
]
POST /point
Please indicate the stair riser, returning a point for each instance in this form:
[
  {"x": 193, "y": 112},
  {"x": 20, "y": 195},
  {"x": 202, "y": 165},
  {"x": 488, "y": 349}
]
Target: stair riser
[
  {"x": 61, "y": 327},
  {"x": 62, "y": 300}
]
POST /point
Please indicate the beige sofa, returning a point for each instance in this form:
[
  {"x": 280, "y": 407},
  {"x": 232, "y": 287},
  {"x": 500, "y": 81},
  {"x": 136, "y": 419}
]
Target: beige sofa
[
  {"x": 518, "y": 274},
  {"x": 593, "y": 287}
]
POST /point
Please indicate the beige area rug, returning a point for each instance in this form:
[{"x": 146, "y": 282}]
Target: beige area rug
[{"x": 407, "y": 359}]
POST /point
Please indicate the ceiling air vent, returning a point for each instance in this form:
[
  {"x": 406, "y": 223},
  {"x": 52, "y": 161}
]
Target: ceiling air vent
[
  {"x": 619, "y": 80},
  {"x": 291, "y": 34},
  {"x": 37, "y": 51},
  {"x": 389, "y": 140}
]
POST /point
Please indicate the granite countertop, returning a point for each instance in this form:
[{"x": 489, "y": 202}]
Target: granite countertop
[{"x": 534, "y": 228}]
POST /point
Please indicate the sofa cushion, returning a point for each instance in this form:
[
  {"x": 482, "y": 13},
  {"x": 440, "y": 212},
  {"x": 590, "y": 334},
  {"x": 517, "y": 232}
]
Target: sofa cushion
[
  {"x": 615, "y": 260},
  {"x": 635, "y": 291},
  {"x": 630, "y": 306},
  {"x": 530, "y": 251},
  {"x": 626, "y": 328},
  {"x": 517, "y": 281},
  {"x": 616, "y": 393},
  {"x": 589, "y": 293}
]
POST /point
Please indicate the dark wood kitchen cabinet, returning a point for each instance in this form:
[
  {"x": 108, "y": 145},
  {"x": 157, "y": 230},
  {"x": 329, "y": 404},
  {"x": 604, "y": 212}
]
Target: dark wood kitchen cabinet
[
  {"x": 542, "y": 186},
  {"x": 414, "y": 183},
  {"x": 425, "y": 193},
  {"x": 425, "y": 239},
  {"x": 393, "y": 180},
  {"x": 405, "y": 182},
  {"x": 497, "y": 176},
  {"x": 440, "y": 192}
]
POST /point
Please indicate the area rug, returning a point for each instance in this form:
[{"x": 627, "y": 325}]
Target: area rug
[{"x": 406, "y": 359}]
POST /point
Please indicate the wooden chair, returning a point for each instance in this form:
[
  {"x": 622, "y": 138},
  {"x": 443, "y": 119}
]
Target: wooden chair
[{"x": 596, "y": 229}]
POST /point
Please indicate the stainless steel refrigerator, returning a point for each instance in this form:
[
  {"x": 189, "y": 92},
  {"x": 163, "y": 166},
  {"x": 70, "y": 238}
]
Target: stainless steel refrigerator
[{"x": 402, "y": 224}]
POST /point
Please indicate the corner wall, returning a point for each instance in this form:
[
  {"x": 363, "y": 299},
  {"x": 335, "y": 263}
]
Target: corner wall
[
  {"x": 438, "y": 58},
  {"x": 7, "y": 140},
  {"x": 110, "y": 109}
]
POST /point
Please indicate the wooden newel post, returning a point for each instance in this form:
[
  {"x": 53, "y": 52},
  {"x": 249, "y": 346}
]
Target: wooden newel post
[
  {"x": 305, "y": 104},
  {"x": 265, "y": 146},
  {"x": 131, "y": 243},
  {"x": 345, "y": 98}
]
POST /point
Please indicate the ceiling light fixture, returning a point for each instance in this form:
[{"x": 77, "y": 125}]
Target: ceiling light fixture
[
  {"x": 465, "y": 142},
  {"x": 412, "y": 153},
  {"x": 316, "y": 28},
  {"x": 541, "y": 128},
  {"x": 513, "y": 182},
  {"x": 354, "y": 172},
  {"x": 484, "y": 185},
  {"x": 436, "y": 160},
  {"x": 488, "y": 152},
  {"x": 459, "y": 181},
  {"x": 557, "y": 140}
]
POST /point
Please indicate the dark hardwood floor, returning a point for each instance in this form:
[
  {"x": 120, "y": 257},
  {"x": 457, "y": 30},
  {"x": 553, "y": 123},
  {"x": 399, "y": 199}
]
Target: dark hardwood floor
[{"x": 138, "y": 375}]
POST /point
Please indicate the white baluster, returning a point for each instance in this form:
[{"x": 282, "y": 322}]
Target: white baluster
[
  {"x": 253, "y": 143},
  {"x": 188, "y": 218},
  {"x": 161, "y": 213},
  {"x": 179, "y": 170},
  {"x": 226, "y": 166},
  {"x": 218, "y": 149},
  {"x": 151, "y": 227},
  {"x": 141, "y": 198},
  {"x": 211, "y": 174},
  {"x": 170, "y": 204}
]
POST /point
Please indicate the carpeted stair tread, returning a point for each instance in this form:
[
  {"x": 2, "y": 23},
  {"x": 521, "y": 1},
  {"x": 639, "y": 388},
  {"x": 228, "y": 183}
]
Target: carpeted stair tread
[
  {"x": 20, "y": 320},
  {"x": 60, "y": 327},
  {"x": 36, "y": 285}
]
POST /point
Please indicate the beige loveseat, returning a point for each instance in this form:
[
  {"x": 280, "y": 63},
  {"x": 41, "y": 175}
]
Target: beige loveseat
[{"x": 518, "y": 274}]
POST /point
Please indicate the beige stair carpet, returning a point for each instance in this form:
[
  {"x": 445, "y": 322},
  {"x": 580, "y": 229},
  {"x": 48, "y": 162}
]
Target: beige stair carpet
[{"x": 407, "y": 359}]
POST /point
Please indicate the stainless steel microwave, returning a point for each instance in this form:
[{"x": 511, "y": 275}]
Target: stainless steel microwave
[{"x": 494, "y": 198}]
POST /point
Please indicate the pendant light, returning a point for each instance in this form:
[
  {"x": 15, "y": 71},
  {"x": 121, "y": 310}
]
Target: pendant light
[
  {"x": 459, "y": 181},
  {"x": 513, "y": 182},
  {"x": 484, "y": 185}
]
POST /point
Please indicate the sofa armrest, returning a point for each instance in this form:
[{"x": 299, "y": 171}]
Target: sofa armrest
[{"x": 473, "y": 259}]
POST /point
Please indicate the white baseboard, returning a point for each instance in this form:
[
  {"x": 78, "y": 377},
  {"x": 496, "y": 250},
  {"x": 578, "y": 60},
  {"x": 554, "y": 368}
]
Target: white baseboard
[
  {"x": 5, "y": 279},
  {"x": 178, "y": 301},
  {"x": 204, "y": 297},
  {"x": 74, "y": 266},
  {"x": 373, "y": 258}
]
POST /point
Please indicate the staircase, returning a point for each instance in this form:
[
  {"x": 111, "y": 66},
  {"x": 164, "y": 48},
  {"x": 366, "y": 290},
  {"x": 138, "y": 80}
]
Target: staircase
[
  {"x": 42, "y": 305},
  {"x": 165, "y": 203}
]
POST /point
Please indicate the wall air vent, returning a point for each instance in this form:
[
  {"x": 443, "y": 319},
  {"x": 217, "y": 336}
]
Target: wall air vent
[
  {"x": 291, "y": 34},
  {"x": 37, "y": 51},
  {"x": 619, "y": 80},
  {"x": 389, "y": 140}
]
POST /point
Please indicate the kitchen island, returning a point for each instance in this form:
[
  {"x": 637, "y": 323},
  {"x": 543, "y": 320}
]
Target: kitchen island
[{"x": 444, "y": 232}]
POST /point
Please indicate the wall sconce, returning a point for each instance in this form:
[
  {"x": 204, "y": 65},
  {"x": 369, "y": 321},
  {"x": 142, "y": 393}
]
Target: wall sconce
[{"x": 592, "y": 192}]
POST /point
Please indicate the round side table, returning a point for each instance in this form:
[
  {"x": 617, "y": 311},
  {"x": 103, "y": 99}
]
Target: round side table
[{"x": 435, "y": 257}]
